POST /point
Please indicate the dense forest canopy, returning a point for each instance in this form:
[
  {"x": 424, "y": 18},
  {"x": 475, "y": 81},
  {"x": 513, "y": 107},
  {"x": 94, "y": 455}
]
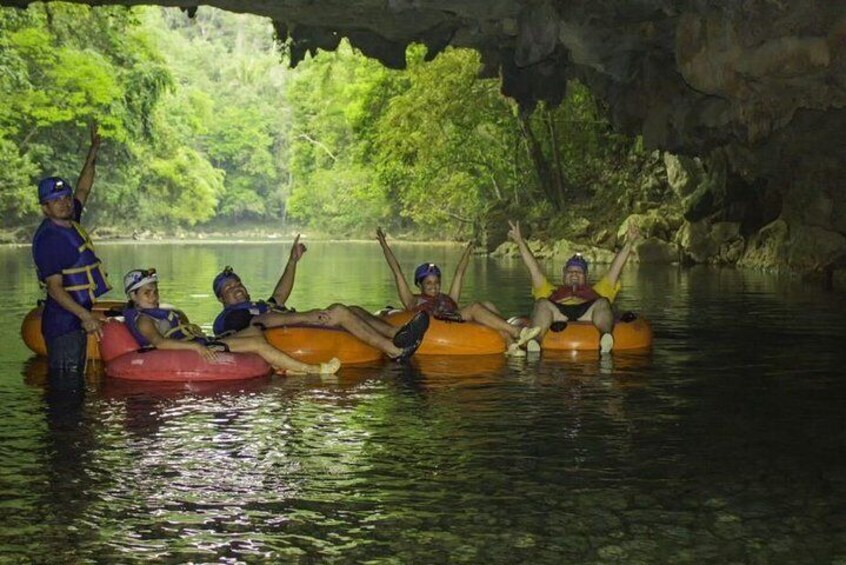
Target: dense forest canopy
[{"x": 204, "y": 125}]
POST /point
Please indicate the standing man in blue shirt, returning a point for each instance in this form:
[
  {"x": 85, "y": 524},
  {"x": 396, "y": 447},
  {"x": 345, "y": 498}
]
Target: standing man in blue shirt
[{"x": 68, "y": 266}]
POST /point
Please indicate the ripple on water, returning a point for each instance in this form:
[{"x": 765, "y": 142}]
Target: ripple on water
[{"x": 724, "y": 444}]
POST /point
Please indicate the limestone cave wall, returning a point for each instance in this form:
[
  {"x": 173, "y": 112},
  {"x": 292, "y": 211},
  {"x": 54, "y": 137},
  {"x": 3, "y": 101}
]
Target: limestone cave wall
[{"x": 748, "y": 96}]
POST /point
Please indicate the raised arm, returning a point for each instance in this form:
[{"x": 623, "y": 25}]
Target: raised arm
[
  {"x": 458, "y": 278},
  {"x": 632, "y": 235},
  {"x": 538, "y": 278},
  {"x": 405, "y": 294},
  {"x": 286, "y": 282},
  {"x": 86, "y": 176}
]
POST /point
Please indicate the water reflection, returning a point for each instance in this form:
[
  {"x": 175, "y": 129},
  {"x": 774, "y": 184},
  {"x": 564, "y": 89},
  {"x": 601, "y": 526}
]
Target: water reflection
[
  {"x": 723, "y": 444},
  {"x": 63, "y": 483}
]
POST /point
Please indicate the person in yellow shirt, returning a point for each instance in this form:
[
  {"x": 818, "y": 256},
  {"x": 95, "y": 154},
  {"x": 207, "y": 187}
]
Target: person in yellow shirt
[{"x": 575, "y": 299}]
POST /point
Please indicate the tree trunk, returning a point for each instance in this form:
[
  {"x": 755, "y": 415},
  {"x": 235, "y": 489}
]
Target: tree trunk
[
  {"x": 555, "y": 158},
  {"x": 546, "y": 177}
]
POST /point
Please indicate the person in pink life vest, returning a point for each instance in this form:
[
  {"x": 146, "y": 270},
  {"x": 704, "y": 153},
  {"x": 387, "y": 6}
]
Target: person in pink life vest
[
  {"x": 427, "y": 277},
  {"x": 575, "y": 299}
]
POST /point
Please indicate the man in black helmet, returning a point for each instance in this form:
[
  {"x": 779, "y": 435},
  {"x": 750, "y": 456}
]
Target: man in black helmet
[{"x": 240, "y": 312}]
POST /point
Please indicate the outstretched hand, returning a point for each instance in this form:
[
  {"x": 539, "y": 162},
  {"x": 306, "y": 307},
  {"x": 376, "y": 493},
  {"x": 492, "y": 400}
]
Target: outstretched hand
[
  {"x": 632, "y": 232},
  {"x": 514, "y": 232},
  {"x": 297, "y": 250}
]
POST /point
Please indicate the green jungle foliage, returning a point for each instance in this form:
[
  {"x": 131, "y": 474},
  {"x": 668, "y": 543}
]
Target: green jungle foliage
[{"x": 203, "y": 124}]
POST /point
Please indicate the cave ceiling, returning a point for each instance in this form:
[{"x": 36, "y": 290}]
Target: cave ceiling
[{"x": 763, "y": 79}]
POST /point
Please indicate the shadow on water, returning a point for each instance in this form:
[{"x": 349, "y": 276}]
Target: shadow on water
[{"x": 64, "y": 449}]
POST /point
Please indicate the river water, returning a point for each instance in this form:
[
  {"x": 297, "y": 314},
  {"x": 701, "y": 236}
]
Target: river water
[{"x": 724, "y": 444}]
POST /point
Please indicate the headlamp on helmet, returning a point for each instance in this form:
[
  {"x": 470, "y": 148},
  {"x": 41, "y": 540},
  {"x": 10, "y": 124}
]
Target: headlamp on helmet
[
  {"x": 137, "y": 278},
  {"x": 53, "y": 188}
]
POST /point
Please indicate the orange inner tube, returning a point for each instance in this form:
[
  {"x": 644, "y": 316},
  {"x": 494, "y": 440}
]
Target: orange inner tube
[
  {"x": 314, "y": 345},
  {"x": 31, "y": 328},
  {"x": 583, "y": 336},
  {"x": 454, "y": 338}
]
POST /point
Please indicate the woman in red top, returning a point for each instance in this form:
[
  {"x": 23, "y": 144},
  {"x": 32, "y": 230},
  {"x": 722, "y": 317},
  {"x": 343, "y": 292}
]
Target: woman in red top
[{"x": 427, "y": 277}]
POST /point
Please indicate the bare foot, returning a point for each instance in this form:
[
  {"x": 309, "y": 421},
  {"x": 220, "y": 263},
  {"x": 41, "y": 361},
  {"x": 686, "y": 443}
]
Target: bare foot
[
  {"x": 330, "y": 367},
  {"x": 527, "y": 334}
]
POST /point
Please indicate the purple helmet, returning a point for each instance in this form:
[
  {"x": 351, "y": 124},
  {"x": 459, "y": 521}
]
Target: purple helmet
[
  {"x": 577, "y": 261},
  {"x": 425, "y": 270}
]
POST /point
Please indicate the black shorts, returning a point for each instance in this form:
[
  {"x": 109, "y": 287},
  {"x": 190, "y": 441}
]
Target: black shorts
[
  {"x": 448, "y": 317},
  {"x": 574, "y": 311}
]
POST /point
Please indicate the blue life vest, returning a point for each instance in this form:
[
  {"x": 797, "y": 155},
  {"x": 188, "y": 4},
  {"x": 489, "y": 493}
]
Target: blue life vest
[
  {"x": 254, "y": 308},
  {"x": 167, "y": 323},
  {"x": 85, "y": 279}
]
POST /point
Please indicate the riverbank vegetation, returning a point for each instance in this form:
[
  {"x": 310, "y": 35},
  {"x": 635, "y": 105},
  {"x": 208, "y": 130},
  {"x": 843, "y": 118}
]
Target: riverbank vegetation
[{"x": 205, "y": 129}]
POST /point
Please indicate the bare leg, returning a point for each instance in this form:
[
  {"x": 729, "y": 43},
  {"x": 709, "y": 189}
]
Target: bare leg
[
  {"x": 374, "y": 322},
  {"x": 491, "y": 306},
  {"x": 277, "y": 319},
  {"x": 544, "y": 314},
  {"x": 252, "y": 343},
  {"x": 478, "y": 312},
  {"x": 601, "y": 315},
  {"x": 342, "y": 316}
]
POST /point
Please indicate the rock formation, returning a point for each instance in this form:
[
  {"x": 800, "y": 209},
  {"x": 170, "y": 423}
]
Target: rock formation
[{"x": 751, "y": 94}]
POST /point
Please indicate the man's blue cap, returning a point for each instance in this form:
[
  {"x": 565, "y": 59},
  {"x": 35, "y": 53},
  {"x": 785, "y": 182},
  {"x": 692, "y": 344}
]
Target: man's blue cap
[
  {"x": 223, "y": 276},
  {"x": 53, "y": 188}
]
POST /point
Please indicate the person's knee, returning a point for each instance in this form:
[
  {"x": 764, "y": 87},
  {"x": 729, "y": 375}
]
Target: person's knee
[
  {"x": 338, "y": 313},
  {"x": 358, "y": 310},
  {"x": 470, "y": 311},
  {"x": 601, "y": 311},
  {"x": 271, "y": 319},
  {"x": 544, "y": 305}
]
